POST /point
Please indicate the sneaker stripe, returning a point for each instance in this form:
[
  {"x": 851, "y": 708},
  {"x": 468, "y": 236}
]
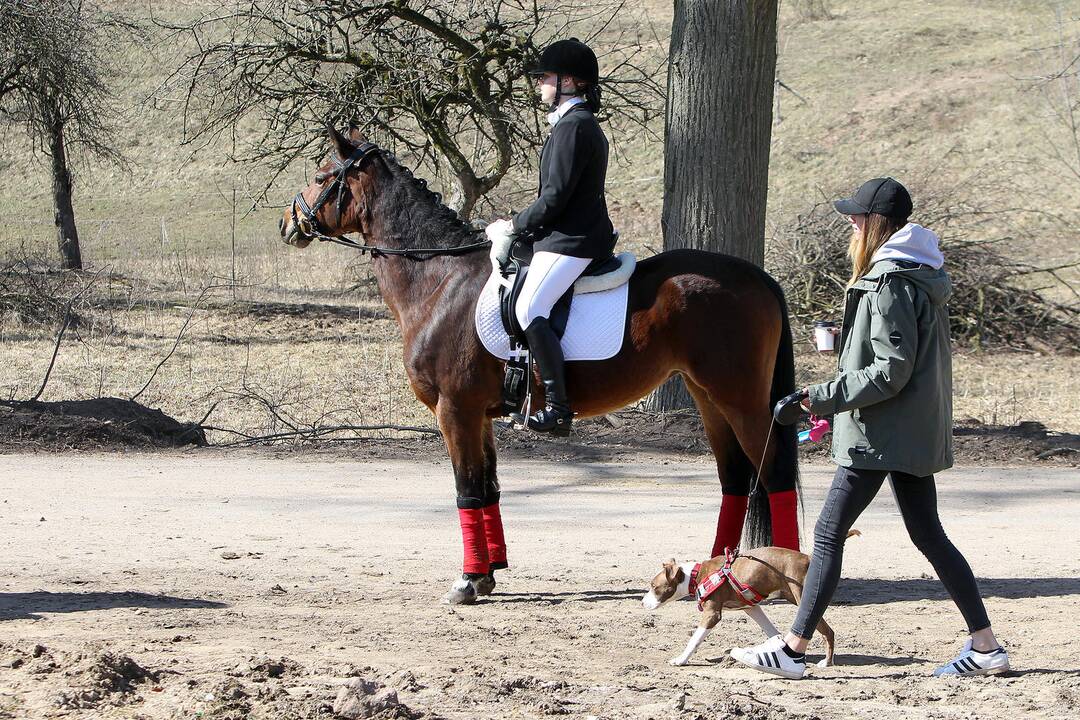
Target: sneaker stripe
[
  {"x": 761, "y": 661},
  {"x": 959, "y": 670},
  {"x": 776, "y": 660},
  {"x": 974, "y": 665}
]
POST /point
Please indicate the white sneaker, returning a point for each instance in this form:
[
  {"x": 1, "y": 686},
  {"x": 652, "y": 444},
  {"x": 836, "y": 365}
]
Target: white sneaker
[
  {"x": 770, "y": 657},
  {"x": 972, "y": 662}
]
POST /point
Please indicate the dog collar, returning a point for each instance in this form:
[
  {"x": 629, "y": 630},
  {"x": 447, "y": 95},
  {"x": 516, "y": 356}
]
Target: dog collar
[{"x": 693, "y": 579}]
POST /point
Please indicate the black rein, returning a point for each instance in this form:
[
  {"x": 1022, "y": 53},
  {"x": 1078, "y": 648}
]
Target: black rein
[{"x": 341, "y": 168}]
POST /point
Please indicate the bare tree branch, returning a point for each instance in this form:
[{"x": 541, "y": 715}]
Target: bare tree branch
[
  {"x": 176, "y": 343},
  {"x": 443, "y": 80}
]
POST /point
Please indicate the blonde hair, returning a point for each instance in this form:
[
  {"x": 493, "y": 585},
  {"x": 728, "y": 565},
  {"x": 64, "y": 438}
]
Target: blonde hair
[{"x": 864, "y": 243}]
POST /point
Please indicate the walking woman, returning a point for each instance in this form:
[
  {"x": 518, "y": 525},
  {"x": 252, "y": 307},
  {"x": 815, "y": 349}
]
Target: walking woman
[
  {"x": 892, "y": 401},
  {"x": 568, "y": 222}
]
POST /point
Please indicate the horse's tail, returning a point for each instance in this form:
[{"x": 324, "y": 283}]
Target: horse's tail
[{"x": 784, "y": 472}]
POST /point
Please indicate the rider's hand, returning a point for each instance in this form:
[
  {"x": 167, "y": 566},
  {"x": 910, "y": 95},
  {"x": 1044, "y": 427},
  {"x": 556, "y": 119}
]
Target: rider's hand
[
  {"x": 806, "y": 400},
  {"x": 501, "y": 234}
]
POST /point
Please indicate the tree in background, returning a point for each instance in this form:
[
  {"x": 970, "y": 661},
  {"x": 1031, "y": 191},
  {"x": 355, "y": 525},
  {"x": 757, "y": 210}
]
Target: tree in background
[
  {"x": 721, "y": 70},
  {"x": 54, "y": 82},
  {"x": 443, "y": 80},
  {"x": 1061, "y": 90}
]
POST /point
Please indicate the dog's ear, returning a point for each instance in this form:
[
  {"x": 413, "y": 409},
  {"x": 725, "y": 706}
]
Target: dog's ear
[
  {"x": 679, "y": 576},
  {"x": 669, "y": 569}
]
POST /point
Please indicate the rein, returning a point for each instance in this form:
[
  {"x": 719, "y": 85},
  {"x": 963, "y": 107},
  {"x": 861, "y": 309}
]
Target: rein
[{"x": 341, "y": 168}]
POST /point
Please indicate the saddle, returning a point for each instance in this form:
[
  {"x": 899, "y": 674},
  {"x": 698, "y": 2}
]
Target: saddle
[
  {"x": 516, "y": 270},
  {"x": 513, "y": 273}
]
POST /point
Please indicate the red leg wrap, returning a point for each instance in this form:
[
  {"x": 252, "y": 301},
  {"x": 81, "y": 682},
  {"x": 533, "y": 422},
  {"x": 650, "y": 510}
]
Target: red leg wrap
[
  {"x": 493, "y": 530},
  {"x": 472, "y": 537},
  {"x": 784, "y": 507},
  {"x": 730, "y": 524}
]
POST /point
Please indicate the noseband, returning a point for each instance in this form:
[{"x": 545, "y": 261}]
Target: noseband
[{"x": 341, "y": 168}]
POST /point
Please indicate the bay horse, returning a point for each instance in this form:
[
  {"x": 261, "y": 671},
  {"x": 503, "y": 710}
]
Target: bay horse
[{"x": 719, "y": 321}]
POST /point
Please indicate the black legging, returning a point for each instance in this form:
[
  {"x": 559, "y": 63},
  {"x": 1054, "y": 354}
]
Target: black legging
[{"x": 850, "y": 494}]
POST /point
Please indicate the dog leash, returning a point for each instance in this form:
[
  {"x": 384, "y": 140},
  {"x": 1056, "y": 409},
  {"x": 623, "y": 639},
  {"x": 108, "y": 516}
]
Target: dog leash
[{"x": 754, "y": 481}]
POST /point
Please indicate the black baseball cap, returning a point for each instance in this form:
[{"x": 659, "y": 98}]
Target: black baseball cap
[{"x": 883, "y": 196}]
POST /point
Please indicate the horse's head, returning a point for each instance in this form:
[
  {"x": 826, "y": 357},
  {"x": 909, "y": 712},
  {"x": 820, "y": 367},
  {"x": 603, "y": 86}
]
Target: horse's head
[{"x": 334, "y": 203}]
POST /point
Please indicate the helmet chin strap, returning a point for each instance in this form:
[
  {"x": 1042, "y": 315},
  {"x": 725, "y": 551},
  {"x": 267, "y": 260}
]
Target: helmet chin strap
[{"x": 558, "y": 92}]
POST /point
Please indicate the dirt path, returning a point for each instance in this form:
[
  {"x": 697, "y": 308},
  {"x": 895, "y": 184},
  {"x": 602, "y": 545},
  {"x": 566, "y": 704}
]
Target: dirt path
[{"x": 338, "y": 568}]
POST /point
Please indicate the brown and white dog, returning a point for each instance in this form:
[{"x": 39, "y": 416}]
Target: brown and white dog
[{"x": 767, "y": 570}]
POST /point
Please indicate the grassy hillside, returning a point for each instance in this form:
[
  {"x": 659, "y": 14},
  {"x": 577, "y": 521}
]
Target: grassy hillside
[{"x": 888, "y": 89}]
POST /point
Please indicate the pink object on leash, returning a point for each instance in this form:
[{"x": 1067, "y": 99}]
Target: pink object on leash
[{"x": 818, "y": 428}]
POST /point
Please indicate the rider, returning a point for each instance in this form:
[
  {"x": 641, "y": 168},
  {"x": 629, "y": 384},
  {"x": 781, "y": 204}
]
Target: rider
[{"x": 568, "y": 222}]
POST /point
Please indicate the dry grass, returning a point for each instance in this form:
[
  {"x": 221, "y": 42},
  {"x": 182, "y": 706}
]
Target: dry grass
[
  {"x": 325, "y": 367},
  {"x": 888, "y": 89},
  {"x": 993, "y": 388},
  {"x": 329, "y": 366}
]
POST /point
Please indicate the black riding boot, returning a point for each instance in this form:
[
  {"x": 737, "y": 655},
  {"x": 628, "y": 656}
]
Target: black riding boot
[{"x": 556, "y": 416}]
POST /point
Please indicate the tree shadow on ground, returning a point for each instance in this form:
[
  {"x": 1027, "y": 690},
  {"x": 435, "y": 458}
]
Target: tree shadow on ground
[
  {"x": 878, "y": 591},
  {"x": 557, "y": 598},
  {"x": 26, "y": 606}
]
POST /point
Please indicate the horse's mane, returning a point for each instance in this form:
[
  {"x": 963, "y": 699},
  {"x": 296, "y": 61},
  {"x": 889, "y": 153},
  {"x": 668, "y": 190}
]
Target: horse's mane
[{"x": 419, "y": 212}]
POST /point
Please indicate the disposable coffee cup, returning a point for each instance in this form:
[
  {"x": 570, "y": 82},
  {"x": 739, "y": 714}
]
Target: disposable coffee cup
[{"x": 825, "y": 335}]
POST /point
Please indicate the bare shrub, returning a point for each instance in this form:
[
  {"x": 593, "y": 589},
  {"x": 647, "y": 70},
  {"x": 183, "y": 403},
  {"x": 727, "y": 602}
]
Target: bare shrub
[
  {"x": 812, "y": 9},
  {"x": 994, "y": 303},
  {"x": 33, "y": 292}
]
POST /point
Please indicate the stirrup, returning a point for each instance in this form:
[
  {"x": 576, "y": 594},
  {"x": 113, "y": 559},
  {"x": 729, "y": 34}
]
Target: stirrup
[{"x": 550, "y": 420}]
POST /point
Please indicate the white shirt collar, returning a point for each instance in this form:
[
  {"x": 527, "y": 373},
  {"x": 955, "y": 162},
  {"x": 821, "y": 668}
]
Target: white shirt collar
[{"x": 556, "y": 116}]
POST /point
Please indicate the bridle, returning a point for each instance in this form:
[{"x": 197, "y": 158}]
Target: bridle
[
  {"x": 341, "y": 167},
  {"x": 340, "y": 170}
]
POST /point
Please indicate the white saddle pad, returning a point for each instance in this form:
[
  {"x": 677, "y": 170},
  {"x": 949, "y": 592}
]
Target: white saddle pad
[{"x": 594, "y": 330}]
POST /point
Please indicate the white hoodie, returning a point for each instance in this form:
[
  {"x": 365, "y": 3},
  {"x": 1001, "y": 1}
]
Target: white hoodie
[{"x": 913, "y": 243}]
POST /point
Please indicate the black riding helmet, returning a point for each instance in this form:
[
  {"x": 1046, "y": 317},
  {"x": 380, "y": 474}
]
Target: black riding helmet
[{"x": 571, "y": 58}]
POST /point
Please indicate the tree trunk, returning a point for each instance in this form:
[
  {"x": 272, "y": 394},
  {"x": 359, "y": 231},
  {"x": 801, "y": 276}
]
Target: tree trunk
[
  {"x": 67, "y": 235},
  {"x": 721, "y": 73}
]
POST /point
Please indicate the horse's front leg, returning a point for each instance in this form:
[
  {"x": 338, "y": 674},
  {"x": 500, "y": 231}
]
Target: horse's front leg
[{"x": 471, "y": 445}]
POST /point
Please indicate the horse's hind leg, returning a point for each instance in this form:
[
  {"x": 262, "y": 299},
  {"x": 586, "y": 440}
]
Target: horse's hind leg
[
  {"x": 739, "y": 426},
  {"x": 754, "y": 427},
  {"x": 732, "y": 466}
]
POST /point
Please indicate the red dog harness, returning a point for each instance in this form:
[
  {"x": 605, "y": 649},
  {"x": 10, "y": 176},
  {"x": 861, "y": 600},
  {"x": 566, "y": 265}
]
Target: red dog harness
[{"x": 706, "y": 587}]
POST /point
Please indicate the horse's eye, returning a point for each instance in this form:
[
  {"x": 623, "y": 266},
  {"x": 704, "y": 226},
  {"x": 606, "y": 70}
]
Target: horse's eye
[{"x": 321, "y": 177}]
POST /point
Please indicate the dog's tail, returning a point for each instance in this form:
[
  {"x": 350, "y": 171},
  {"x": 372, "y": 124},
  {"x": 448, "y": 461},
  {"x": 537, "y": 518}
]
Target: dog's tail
[{"x": 853, "y": 533}]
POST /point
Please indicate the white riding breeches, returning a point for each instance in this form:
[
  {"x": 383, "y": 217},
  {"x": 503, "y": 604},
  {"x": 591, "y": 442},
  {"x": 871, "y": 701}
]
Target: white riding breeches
[{"x": 550, "y": 275}]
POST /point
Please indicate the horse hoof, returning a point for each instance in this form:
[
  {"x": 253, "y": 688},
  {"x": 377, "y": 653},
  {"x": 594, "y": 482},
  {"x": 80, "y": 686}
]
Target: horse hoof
[
  {"x": 462, "y": 592},
  {"x": 485, "y": 585}
]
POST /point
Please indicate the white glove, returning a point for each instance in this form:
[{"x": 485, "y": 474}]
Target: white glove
[{"x": 501, "y": 234}]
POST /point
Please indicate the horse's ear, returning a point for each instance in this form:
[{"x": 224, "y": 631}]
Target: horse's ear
[
  {"x": 355, "y": 135},
  {"x": 341, "y": 143}
]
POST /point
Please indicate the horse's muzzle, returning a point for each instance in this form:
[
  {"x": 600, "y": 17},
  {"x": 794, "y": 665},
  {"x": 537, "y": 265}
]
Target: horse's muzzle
[{"x": 292, "y": 233}]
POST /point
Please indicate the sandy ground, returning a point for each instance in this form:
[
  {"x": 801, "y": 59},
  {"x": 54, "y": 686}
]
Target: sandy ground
[{"x": 336, "y": 569}]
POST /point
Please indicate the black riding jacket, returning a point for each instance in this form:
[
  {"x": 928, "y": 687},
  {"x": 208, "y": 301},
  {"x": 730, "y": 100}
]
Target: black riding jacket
[{"x": 569, "y": 215}]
